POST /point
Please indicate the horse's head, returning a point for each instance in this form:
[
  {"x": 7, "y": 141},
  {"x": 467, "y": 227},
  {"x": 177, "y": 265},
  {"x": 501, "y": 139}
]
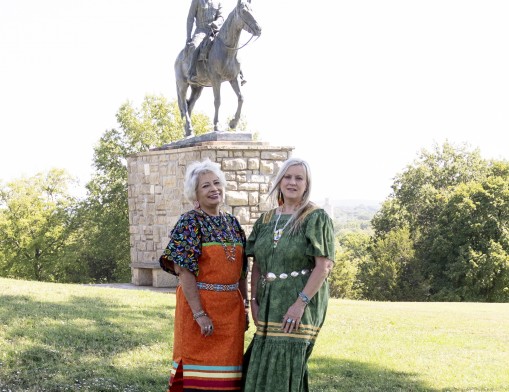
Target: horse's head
[{"x": 245, "y": 13}]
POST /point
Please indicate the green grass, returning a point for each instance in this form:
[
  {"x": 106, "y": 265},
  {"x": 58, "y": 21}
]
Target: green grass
[{"x": 56, "y": 337}]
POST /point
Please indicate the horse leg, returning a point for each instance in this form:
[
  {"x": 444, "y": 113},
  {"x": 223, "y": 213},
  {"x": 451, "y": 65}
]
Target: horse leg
[
  {"x": 240, "y": 100},
  {"x": 184, "y": 107},
  {"x": 216, "y": 88},
  {"x": 195, "y": 94}
]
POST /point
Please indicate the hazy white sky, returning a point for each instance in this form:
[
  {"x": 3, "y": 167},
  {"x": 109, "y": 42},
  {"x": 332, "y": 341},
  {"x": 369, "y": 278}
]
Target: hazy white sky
[{"x": 358, "y": 87}]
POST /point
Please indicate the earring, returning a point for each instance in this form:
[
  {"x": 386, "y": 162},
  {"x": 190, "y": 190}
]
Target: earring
[{"x": 196, "y": 204}]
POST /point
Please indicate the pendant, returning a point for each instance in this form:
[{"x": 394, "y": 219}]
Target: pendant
[{"x": 277, "y": 236}]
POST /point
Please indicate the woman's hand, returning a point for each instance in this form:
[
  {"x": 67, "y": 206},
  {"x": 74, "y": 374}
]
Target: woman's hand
[
  {"x": 188, "y": 284},
  {"x": 293, "y": 316},
  {"x": 206, "y": 325}
]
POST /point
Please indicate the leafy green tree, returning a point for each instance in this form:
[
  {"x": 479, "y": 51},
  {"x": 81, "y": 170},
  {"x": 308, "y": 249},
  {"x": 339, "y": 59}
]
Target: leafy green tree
[
  {"x": 37, "y": 223},
  {"x": 352, "y": 251},
  {"x": 454, "y": 207},
  {"x": 468, "y": 246},
  {"x": 392, "y": 274},
  {"x": 391, "y": 216},
  {"x": 105, "y": 231},
  {"x": 417, "y": 188}
]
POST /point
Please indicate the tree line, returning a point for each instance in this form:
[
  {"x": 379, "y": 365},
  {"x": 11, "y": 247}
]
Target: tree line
[
  {"x": 47, "y": 234},
  {"x": 441, "y": 235}
]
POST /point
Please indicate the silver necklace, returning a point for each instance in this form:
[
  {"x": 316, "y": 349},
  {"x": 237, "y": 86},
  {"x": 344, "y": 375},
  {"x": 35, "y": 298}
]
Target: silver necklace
[
  {"x": 278, "y": 233},
  {"x": 229, "y": 251}
]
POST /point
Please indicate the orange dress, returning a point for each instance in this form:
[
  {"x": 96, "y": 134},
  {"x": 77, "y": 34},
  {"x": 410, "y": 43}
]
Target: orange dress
[{"x": 212, "y": 363}]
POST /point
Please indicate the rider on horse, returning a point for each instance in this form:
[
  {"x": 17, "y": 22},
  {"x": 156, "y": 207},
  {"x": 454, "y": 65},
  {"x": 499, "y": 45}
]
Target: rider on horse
[{"x": 209, "y": 18}]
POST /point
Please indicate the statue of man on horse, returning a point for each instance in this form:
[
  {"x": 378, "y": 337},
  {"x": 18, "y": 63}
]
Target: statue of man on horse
[{"x": 210, "y": 55}]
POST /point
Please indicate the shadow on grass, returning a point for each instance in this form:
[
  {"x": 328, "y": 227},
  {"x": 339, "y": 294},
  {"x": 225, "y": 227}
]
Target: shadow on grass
[
  {"x": 338, "y": 375},
  {"x": 88, "y": 343}
]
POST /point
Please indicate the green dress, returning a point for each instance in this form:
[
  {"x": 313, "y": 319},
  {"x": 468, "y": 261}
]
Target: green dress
[{"x": 277, "y": 361}]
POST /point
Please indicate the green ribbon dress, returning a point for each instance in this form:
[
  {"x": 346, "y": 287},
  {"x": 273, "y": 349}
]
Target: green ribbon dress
[{"x": 277, "y": 361}]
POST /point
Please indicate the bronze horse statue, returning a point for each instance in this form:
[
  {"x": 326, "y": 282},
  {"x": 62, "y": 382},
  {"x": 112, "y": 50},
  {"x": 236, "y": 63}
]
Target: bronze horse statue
[{"x": 220, "y": 66}]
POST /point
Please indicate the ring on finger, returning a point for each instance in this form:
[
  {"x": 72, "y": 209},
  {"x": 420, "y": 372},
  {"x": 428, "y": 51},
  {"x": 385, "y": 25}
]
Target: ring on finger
[{"x": 289, "y": 320}]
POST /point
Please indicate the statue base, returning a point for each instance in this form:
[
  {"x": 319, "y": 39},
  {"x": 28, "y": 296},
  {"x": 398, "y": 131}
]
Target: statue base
[{"x": 232, "y": 137}]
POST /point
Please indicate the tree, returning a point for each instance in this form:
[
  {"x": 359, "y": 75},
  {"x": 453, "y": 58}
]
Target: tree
[
  {"x": 37, "y": 222},
  {"x": 416, "y": 190},
  {"x": 352, "y": 251},
  {"x": 467, "y": 249},
  {"x": 392, "y": 273}
]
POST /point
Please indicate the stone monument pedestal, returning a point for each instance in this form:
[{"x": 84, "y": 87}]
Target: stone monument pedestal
[
  {"x": 156, "y": 183},
  {"x": 151, "y": 274}
]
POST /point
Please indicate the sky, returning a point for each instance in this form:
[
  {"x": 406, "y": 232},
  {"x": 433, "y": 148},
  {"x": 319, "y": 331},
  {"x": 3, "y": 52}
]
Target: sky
[{"x": 359, "y": 88}]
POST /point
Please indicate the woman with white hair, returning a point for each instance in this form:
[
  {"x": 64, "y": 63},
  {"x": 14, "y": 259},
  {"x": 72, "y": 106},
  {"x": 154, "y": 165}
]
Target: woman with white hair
[
  {"x": 293, "y": 252},
  {"x": 206, "y": 252}
]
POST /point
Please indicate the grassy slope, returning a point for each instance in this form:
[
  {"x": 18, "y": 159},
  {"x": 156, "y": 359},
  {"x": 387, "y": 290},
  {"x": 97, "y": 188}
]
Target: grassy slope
[{"x": 58, "y": 337}]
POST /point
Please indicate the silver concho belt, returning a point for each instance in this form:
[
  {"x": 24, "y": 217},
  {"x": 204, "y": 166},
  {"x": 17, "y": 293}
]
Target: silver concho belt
[{"x": 271, "y": 276}]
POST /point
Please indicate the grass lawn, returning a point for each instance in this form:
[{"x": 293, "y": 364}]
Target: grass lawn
[{"x": 56, "y": 337}]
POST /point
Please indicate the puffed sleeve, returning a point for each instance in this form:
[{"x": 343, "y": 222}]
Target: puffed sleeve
[
  {"x": 184, "y": 247},
  {"x": 320, "y": 235}
]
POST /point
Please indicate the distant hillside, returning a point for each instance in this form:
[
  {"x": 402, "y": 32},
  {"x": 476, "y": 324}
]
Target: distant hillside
[
  {"x": 351, "y": 202},
  {"x": 359, "y": 212},
  {"x": 351, "y": 215}
]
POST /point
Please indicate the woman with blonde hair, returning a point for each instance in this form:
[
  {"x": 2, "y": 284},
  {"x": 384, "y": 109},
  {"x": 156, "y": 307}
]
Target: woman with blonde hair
[{"x": 293, "y": 251}]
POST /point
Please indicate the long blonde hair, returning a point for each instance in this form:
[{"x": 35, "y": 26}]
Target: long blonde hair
[{"x": 306, "y": 205}]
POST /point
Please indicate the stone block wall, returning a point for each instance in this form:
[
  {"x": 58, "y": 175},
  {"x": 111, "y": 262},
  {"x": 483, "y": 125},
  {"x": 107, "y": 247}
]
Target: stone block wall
[{"x": 156, "y": 200}]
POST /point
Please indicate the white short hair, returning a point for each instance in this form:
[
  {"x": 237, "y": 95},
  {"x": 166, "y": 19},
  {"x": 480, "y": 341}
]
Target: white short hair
[{"x": 193, "y": 172}]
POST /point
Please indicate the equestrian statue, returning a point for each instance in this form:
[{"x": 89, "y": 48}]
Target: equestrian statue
[{"x": 210, "y": 56}]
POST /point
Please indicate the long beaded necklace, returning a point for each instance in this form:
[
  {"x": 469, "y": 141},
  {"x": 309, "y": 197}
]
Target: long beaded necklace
[
  {"x": 229, "y": 251},
  {"x": 278, "y": 233}
]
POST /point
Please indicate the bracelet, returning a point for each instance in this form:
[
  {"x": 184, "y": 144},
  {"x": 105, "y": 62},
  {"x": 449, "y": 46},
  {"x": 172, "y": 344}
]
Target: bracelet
[
  {"x": 199, "y": 314},
  {"x": 304, "y": 297}
]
